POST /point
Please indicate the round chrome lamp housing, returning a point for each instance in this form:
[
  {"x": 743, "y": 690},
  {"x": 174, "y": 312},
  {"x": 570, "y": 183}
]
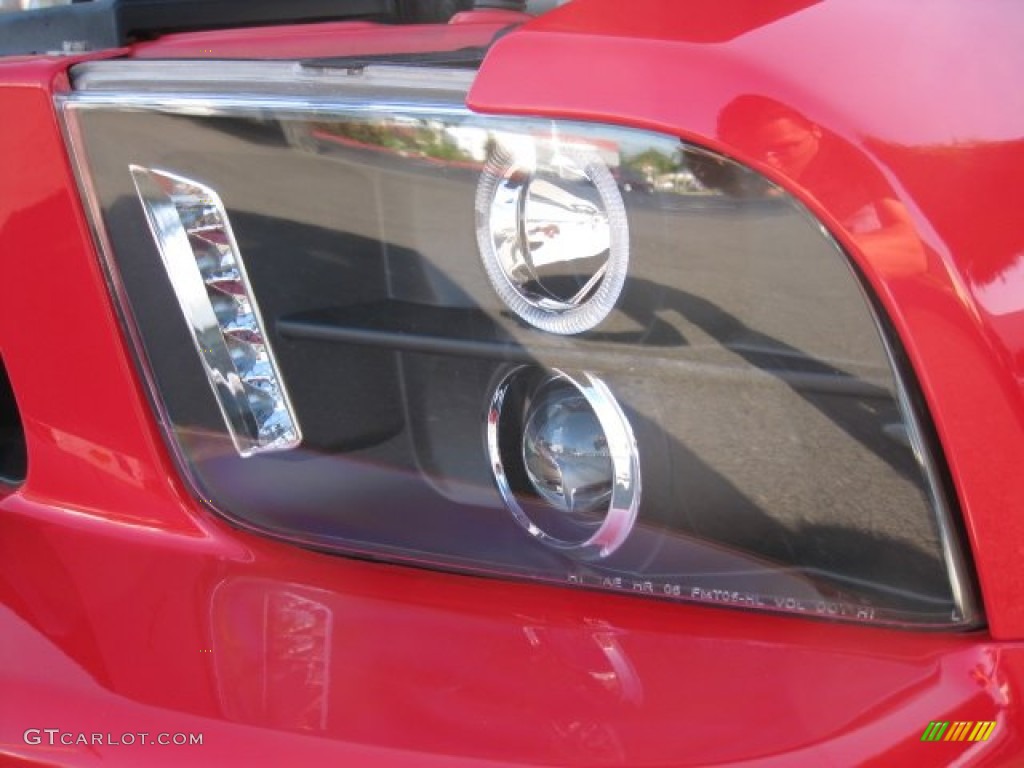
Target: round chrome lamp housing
[
  {"x": 564, "y": 459},
  {"x": 553, "y": 236}
]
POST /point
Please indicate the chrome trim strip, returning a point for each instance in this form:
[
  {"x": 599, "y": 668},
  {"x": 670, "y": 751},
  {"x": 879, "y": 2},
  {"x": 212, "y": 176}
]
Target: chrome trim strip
[{"x": 285, "y": 78}]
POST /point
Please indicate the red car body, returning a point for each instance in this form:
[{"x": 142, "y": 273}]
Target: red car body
[{"x": 127, "y": 607}]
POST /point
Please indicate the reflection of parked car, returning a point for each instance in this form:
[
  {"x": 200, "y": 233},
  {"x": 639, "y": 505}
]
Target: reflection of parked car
[
  {"x": 631, "y": 180},
  {"x": 612, "y": 386}
]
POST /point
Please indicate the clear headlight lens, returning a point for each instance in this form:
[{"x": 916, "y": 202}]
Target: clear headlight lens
[{"x": 543, "y": 349}]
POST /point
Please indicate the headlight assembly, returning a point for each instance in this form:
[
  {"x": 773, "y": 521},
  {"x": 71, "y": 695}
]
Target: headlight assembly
[{"x": 518, "y": 347}]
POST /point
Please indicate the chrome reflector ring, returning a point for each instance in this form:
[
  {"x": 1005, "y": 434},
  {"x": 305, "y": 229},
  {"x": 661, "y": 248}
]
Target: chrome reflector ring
[
  {"x": 512, "y": 408},
  {"x": 553, "y": 236}
]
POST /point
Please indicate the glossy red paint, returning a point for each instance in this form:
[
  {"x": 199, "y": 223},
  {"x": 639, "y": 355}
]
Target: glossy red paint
[
  {"x": 126, "y": 607},
  {"x": 90, "y": 432},
  {"x": 272, "y": 651},
  {"x": 930, "y": 102}
]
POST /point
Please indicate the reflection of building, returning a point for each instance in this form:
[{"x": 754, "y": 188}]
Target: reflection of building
[
  {"x": 476, "y": 142},
  {"x": 681, "y": 181}
]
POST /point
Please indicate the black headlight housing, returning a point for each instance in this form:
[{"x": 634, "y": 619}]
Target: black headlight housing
[{"x": 521, "y": 347}]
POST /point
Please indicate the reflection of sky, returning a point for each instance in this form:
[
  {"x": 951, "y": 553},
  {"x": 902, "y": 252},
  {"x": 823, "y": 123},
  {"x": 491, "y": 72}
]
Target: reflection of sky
[
  {"x": 977, "y": 85},
  {"x": 1004, "y": 293}
]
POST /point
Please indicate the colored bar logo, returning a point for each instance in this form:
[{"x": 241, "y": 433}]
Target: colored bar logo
[{"x": 961, "y": 730}]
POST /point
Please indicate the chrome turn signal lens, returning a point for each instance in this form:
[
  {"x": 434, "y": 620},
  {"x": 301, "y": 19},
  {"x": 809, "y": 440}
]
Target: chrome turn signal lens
[{"x": 206, "y": 272}]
